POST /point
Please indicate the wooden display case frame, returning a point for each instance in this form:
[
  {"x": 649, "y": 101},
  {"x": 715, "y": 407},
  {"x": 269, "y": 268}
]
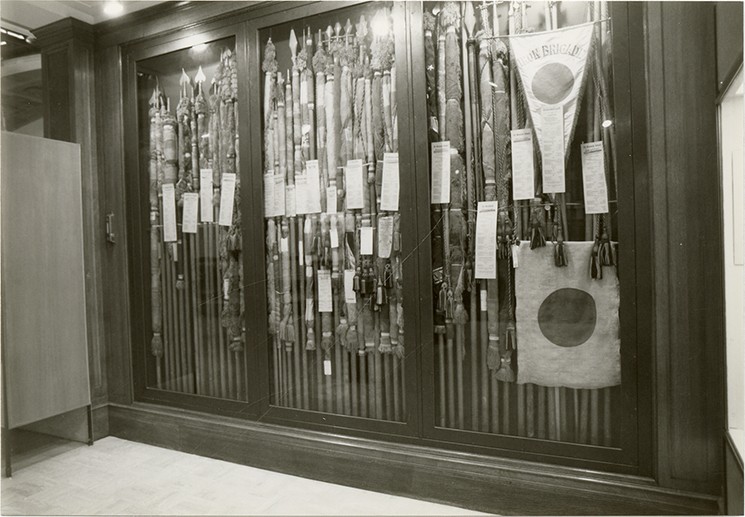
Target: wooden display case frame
[{"x": 634, "y": 456}]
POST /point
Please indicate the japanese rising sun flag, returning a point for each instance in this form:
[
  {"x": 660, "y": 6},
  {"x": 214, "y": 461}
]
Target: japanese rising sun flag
[
  {"x": 567, "y": 323},
  {"x": 552, "y": 68}
]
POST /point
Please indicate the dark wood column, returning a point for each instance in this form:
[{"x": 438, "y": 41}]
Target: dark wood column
[{"x": 67, "y": 50}]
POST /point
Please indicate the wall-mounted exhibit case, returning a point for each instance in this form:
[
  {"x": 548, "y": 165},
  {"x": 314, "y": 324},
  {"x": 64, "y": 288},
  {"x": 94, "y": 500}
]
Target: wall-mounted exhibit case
[
  {"x": 524, "y": 345},
  {"x": 432, "y": 231}
]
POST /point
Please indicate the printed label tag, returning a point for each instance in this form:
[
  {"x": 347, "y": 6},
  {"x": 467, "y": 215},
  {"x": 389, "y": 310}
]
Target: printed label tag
[
  {"x": 205, "y": 195},
  {"x": 440, "y": 172},
  {"x": 227, "y": 198},
  {"x": 191, "y": 212},
  {"x": 169, "y": 213},
  {"x": 389, "y": 190}
]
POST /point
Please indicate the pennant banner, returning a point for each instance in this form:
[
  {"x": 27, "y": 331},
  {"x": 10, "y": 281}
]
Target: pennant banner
[
  {"x": 552, "y": 68},
  {"x": 567, "y": 323}
]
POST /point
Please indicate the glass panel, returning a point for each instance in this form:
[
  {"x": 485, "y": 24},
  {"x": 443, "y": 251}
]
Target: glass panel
[
  {"x": 331, "y": 214},
  {"x": 525, "y": 283},
  {"x": 189, "y": 146}
]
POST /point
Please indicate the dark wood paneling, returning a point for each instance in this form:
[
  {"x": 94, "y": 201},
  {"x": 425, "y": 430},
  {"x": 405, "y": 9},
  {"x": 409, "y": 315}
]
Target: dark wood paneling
[
  {"x": 69, "y": 107},
  {"x": 114, "y": 255},
  {"x": 506, "y": 487},
  {"x": 729, "y": 41},
  {"x": 733, "y": 474},
  {"x": 688, "y": 248}
]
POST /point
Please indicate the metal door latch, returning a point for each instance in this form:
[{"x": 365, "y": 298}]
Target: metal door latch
[{"x": 110, "y": 236}]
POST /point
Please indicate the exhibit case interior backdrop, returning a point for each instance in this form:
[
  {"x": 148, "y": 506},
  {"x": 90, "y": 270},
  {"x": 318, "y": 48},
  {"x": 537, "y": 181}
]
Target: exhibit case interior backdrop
[{"x": 425, "y": 232}]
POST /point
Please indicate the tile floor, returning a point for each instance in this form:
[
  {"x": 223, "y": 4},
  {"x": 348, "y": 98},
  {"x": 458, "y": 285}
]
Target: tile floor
[{"x": 118, "y": 477}]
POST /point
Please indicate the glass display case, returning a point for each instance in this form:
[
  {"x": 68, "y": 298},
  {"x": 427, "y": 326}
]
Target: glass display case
[
  {"x": 526, "y": 292},
  {"x": 431, "y": 193},
  {"x": 188, "y": 150},
  {"x": 333, "y": 224}
]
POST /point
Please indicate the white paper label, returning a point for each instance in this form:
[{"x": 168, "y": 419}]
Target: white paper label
[
  {"x": 331, "y": 199},
  {"x": 279, "y": 195},
  {"x": 389, "y": 190},
  {"x": 523, "y": 181},
  {"x": 334, "y": 234},
  {"x": 301, "y": 194},
  {"x": 349, "y": 295},
  {"x": 205, "y": 195},
  {"x": 327, "y": 367},
  {"x": 227, "y": 197},
  {"x": 366, "y": 240},
  {"x": 354, "y": 186},
  {"x": 553, "y": 149},
  {"x": 169, "y": 213},
  {"x": 593, "y": 178},
  {"x": 314, "y": 186},
  {"x": 385, "y": 236},
  {"x": 515, "y": 256},
  {"x": 191, "y": 212},
  {"x": 325, "y": 300},
  {"x": 269, "y": 194},
  {"x": 486, "y": 240},
  {"x": 290, "y": 202},
  {"x": 300, "y": 255},
  {"x": 440, "y": 172},
  {"x": 284, "y": 245},
  {"x": 482, "y": 296}
]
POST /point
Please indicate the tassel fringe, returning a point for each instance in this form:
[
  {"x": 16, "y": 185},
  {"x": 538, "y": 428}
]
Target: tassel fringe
[
  {"x": 505, "y": 372},
  {"x": 351, "y": 338},
  {"x": 537, "y": 240},
  {"x": 460, "y": 317},
  {"x": 156, "y": 345},
  {"x": 310, "y": 342},
  {"x": 560, "y": 254}
]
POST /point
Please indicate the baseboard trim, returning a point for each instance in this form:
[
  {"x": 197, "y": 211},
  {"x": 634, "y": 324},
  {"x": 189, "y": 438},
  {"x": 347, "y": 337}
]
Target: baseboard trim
[{"x": 495, "y": 485}]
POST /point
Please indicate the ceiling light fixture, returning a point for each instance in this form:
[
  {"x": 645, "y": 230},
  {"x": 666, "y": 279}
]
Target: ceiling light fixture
[{"x": 113, "y": 8}]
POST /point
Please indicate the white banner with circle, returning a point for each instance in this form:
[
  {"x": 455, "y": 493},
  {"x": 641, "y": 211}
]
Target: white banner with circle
[
  {"x": 567, "y": 322},
  {"x": 551, "y": 66}
]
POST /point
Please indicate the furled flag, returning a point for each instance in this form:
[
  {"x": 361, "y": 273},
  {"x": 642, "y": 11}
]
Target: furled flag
[
  {"x": 567, "y": 323},
  {"x": 551, "y": 67}
]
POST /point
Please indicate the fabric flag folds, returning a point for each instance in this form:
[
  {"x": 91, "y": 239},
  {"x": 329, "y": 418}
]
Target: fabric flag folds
[
  {"x": 567, "y": 323},
  {"x": 552, "y": 67}
]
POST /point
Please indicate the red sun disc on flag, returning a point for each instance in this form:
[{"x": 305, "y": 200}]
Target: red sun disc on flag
[
  {"x": 567, "y": 317},
  {"x": 552, "y": 83}
]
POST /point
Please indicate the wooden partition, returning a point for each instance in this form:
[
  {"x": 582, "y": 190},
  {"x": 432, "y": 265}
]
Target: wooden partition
[{"x": 45, "y": 360}]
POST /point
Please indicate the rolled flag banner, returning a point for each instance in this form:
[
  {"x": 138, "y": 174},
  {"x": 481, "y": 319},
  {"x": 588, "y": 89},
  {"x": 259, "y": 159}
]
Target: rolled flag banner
[
  {"x": 567, "y": 322},
  {"x": 552, "y": 69}
]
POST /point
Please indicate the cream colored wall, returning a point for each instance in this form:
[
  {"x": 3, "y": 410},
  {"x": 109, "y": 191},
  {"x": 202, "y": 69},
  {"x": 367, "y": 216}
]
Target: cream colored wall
[{"x": 732, "y": 120}]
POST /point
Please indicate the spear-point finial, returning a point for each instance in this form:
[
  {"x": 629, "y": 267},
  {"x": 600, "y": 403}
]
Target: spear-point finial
[
  {"x": 184, "y": 81},
  {"x": 348, "y": 30},
  {"x": 199, "y": 79},
  {"x": 154, "y": 98},
  {"x": 293, "y": 44},
  {"x": 337, "y": 29},
  {"x": 469, "y": 19},
  {"x": 362, "y": 28},
  {"x": 329, "y": 35}
]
